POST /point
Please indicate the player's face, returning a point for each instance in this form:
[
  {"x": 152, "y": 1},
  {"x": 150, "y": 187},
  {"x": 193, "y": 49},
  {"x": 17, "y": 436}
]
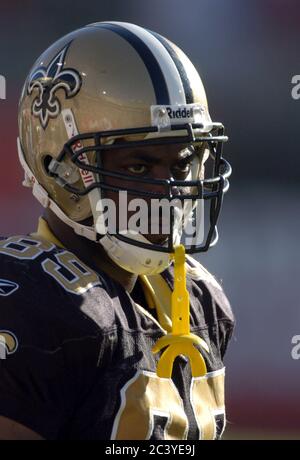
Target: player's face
[{"x": 153, "y": 162}]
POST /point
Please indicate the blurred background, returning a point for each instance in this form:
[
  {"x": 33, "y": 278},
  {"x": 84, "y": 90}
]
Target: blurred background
[{"x": 247, "y": 53}]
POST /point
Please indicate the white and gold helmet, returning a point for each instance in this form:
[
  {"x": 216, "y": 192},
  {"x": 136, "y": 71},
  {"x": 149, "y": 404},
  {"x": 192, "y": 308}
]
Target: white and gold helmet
[{"x": 108, "y": 81}]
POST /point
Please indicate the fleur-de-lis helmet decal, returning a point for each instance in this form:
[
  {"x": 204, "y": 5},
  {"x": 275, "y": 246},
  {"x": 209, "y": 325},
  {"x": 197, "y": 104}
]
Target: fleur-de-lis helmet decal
[{"x": 46, "y": 81}]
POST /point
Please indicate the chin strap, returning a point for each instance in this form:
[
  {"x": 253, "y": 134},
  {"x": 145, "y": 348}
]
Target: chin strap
[{"x": 180, "y": 341}]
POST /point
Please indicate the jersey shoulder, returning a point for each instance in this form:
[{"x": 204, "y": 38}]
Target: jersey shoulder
[
  {"x": 36, "y": 262},
  {"x": 215, "y": 307},
  {"x": 44, "y": 287},
  {"x": 198, "y": 274}
]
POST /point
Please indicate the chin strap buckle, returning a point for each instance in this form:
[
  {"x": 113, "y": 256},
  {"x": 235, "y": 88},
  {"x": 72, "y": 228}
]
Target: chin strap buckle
[
  {"x": 63, "y": 174},
  {"x": 180, "y": 341}
]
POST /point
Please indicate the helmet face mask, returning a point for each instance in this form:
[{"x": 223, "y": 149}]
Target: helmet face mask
[
  {"x": 198, "y": 188},
  {"x": 75, "y": 109}
]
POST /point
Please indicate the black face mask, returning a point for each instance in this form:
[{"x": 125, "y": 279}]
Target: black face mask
[{"x": 210, "y": 190}]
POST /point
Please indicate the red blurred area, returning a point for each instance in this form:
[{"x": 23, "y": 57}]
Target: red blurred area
[
  {"x": 18, "y": 208},
  {"x": 283, "y": 14},
  {"x": 10, "y": 173}
]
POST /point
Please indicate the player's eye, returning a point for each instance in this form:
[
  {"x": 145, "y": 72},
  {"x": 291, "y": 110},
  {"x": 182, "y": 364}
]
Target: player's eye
[
  {"x": 182, "y": 168},
  {"x": 137, "y": 169}
]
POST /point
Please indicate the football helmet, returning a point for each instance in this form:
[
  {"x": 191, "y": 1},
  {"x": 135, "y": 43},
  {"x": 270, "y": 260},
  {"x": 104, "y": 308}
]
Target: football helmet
[{"x": 108, "y": 86}]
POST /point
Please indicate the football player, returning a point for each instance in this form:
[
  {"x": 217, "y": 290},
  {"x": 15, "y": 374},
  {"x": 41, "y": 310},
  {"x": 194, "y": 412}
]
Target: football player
[{"x": 109, "y": 328}]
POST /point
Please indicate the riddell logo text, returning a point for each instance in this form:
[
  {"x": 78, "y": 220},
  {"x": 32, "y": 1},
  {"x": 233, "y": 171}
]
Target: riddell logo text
[
  {"x": 2, "y": 87},
  {"x": 179, "y": 113}
]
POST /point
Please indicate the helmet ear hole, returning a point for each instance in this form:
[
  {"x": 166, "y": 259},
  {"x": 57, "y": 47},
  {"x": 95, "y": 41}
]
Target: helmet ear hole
[{"x": 46, "y": 162}]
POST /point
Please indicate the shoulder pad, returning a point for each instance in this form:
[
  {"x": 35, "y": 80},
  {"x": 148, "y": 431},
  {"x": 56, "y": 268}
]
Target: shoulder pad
[{"x": 197, "y": 272}]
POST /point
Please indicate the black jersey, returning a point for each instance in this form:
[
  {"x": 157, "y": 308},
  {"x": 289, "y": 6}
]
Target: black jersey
[{"x": 76, "y": 359}]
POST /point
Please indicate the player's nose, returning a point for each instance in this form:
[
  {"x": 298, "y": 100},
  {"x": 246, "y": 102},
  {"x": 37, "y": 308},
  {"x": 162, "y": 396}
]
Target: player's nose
[{"x": 165, "y": 174}]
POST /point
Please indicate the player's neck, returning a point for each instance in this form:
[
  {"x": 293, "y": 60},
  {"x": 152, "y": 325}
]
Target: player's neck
[{"x": 90, "y": 252}]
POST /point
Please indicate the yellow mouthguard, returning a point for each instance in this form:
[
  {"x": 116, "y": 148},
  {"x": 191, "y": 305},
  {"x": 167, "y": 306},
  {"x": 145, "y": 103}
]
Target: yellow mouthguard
[{"x": 180, "y": 341}]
